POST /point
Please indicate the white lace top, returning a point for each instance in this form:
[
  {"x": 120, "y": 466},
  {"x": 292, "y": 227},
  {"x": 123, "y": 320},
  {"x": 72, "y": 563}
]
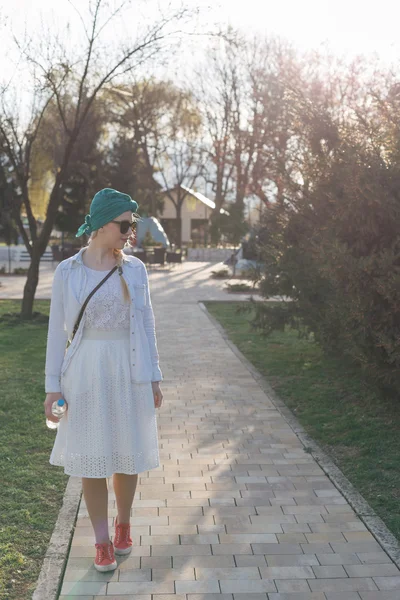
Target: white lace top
[{"x": 106, "y": 309}]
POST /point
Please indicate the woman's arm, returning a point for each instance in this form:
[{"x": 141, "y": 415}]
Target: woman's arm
[
  {"x": 149, "y": 327},
  {"x": 56, "y": 336}
]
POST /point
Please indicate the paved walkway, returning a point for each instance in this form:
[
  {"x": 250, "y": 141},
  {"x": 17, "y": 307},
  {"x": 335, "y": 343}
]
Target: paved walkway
[
  {"x": 188, "y": 281},
  {"x": 237, "y": 510}
]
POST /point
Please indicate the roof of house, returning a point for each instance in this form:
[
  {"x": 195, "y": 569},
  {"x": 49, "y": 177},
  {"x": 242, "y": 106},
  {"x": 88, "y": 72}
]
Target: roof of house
[{"x": 202, "y": 198}]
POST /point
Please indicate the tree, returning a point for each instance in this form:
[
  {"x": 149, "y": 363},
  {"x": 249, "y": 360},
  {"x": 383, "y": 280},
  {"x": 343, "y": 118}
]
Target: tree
[
  {"x": 179, "y": 156},
  {"x": 137, "y": 113},
  {"x": 8, "y": 202},
  {"x": 247, "y": 121},
  {"x": 214, "y": 91},
  {"x": 333, "y": 243},
  {"x": 57, "y": 76}
]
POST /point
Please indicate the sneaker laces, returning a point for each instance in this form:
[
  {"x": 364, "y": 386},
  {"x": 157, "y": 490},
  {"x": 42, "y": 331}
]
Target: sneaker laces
[
  {"x": 122, "y": 533},
  {"x": 104, "y": 551}
]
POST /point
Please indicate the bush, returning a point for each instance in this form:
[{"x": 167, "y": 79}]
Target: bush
[
  {"x": 338, "y": 258},
  {"x": 239, "y": 287},
  {"x": 20, "y": 271},
  {"x": 221, "y": 274}
]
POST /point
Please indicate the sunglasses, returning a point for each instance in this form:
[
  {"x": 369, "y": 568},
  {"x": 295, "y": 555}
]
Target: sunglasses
[{"x": 125, "y": 225}]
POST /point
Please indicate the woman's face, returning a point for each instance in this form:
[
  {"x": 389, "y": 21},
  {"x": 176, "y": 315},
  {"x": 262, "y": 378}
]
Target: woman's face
[{"x": 112, "y": 235}]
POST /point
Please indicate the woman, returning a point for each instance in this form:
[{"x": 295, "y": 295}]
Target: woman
[{"x": 109, "y": 374}]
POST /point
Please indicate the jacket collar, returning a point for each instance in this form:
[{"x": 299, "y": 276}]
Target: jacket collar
[{"x": 77, "y": 258}]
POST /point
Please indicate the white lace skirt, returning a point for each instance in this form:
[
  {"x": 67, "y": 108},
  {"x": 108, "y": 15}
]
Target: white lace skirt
[{"x": 110, "y": 425}]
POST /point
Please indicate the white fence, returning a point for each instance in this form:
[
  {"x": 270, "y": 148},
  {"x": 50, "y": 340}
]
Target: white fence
[{"x": 19, "y": 256}]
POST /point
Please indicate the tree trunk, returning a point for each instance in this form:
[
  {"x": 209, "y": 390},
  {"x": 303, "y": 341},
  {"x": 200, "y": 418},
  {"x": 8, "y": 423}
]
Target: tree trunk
[
  {"x": 179, "y": 223},
  {"x": 37, "y": 250},
  {"x": 39, "y": 245},
  {"x": 214, "y": 228},
  {"x": 31, "y": 283}
]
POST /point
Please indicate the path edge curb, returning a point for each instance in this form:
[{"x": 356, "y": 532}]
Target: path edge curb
[
  {"x": 55, "y": 560},
  {"x": 361, "y": 507}
]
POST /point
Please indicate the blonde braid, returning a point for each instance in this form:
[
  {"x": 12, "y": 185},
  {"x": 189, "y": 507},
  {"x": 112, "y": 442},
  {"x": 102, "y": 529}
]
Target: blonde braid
[{"x": 125, "y": 290}]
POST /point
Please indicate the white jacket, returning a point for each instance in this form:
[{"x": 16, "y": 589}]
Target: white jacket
[{"x": 67, "y": 298}]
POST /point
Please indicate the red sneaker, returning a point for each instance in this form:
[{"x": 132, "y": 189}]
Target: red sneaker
[
  {"x": 105, "y": 559},
  {"x": 122, "y": 538}
]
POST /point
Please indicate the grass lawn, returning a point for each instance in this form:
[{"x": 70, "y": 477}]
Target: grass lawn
[
  {"x": 357, "y": 428},
  {"x": 31, "y": 490}
]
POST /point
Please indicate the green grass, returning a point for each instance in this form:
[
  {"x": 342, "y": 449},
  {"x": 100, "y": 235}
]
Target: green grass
[
  {"x": 31, "y": 490},
  {"x": 359, "y": 429}
]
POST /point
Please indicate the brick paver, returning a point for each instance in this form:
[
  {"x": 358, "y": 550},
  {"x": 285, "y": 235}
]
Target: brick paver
[{"x": 237, "y": 510}]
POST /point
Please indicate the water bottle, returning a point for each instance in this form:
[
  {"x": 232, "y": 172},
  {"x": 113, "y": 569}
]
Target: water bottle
[{"x": 58, "y": 409}]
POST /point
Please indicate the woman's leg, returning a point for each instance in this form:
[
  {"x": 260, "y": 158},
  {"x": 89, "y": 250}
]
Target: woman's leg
[
  {"x": 124, "y": 490},
  {"x": 95, "y": 492}
]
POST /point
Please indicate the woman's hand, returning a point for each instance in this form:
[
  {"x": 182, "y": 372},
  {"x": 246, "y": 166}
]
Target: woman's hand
[
  {"x": 157, "y": 393},
  {"x": 48, "y": 403}
]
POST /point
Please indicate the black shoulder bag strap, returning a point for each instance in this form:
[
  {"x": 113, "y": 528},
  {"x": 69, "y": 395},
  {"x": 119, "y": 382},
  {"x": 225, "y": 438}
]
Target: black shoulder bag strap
[{"x": 87, "y": 300}]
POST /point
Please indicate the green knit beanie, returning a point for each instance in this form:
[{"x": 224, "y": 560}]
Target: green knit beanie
[{"x": 106, "y": 205}]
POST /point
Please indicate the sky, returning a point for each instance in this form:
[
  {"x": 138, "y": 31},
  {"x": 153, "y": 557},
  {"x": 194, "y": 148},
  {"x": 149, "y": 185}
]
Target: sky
[{"x": 348, "y": 26}]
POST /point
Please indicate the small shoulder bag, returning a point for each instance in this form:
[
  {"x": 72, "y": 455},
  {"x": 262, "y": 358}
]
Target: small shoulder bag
[{"x": 87, "y": 300}]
